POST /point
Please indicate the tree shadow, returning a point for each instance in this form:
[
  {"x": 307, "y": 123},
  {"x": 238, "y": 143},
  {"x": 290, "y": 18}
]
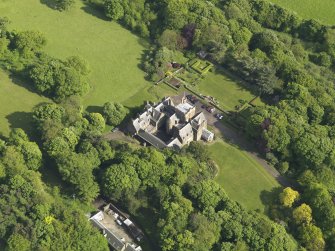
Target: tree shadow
[
  {"x": 20, "y": 81},
  {"x": 242, "y": 84},
  {"x": 94, "y": 108},
  {"x": 50, "y": 3},
  {"x": 95, "y": 9},
  {"x": 23, "y": 120},
  {"x": 144, "y": 55},
  {"x": 270, "y": 198}
]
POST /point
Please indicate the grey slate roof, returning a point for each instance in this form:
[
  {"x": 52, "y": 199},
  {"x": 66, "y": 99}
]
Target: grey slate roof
[
  {"x": 198, "y": 120},
  {"x": 113, "y": 240},
  {"x": 129, "y": 248},
  {"x": 151, "y": 139}
]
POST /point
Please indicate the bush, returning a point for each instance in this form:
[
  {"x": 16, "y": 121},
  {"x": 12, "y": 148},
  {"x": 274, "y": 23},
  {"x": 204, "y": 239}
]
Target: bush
[{"x": 114, "y": 113}]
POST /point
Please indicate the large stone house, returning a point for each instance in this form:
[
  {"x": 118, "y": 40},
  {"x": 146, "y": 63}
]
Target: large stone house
[{"x": 173, "y": 122}]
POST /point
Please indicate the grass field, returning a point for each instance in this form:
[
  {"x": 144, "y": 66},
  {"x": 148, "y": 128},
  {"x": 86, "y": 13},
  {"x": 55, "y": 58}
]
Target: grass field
[
  {"x": 240, "y": 175},
  {"x": 16, "y": 103},
  {"x": 322, "y": 10},
  {"x": 227, "y": 91},
  {"x": 112, "y": 52}
]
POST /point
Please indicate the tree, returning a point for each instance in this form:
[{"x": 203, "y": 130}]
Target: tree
[
  {"x": 18, "y": 242},
  {"x": 97, "y": 122},
  {"x": 64, "y": 4},
  {"x": 311, "y": 237},
  {"x": 28, "y": 42},
  {"x": 120, "y": 179},
  {"x": 114, "y": 113},
  {"x": 313, "y": 146},
  {"x": 302, "y": 214},
  {"x": 77, "y": 170},
  {"x": 172, "y": 40},
  {"x": 208, "y": 194},
  {"x": 59, "y": 79},
  {"x": 114, "y": 9},
  {"x": 31, "y": 154},
  {"x": 49, "y": 111},
  {"x": 288, "y": 197}
]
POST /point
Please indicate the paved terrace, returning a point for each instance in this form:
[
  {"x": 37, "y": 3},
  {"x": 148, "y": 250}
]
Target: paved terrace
[{"x": 110, "y": 223}]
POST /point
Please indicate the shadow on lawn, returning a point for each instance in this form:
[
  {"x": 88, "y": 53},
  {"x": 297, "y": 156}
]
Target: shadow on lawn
[
  {"x": 96, "y": 10},
  {"x": 21, "y": 82},
  {"x": 94, "y": 108},
  {"x": 50, "y": 3},
  {"x": 22, "y": 120},
  {"x": 270, "y": 198},
  {"x": 242, "y": 84}
]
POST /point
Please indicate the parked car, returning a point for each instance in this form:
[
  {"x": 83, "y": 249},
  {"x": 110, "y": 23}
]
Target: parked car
[
  {"x": 192, "y": 99},
  {"x": 203, "y": 106},
  {"x": 115, "y": 129},
  {"x": 210, "y": 109},
  {"x": 219, "y": 116}
]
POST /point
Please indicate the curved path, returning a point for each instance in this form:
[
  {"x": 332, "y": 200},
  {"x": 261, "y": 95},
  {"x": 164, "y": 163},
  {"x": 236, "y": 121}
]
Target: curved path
[{"x": 237, "y": 138}]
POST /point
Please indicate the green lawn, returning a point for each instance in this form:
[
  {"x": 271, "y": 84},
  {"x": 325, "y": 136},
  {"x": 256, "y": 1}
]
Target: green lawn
[
  {"x": 16, "y": 103},
  {"x": 322, "y": 10},
  {"x": 226, "y": 90},
  {"x": 240, "y": 175},
  {"x": 112, "y": 51}
]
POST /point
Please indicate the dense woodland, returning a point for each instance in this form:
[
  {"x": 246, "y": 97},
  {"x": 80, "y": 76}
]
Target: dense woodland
[{"x": 285, "y": 59}]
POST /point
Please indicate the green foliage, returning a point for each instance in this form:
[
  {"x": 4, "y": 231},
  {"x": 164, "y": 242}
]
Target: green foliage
[
  {"x": 208, "y": 194},
  {"x": 119, "y": 180},
  {"x": 288, "y": 197},
  {"x": 134, "y": 14},
  {"x": 96, "y": 121},
  {"x": 114, "y": 9},
  {"x": 312, "y": 237},
  {"x": 172, "y": 40},
  {"x": 77, "y": 170},
  {"x": 18, "y": 242},
  {"x": 114, "y": 113},
  {"x": 302, "y": 214},
  {"x": 28, "y": 42},
  {"x": 33, "y": 216},
  {"x": 60, "y": 79},
  {"x": 64, "y": 4}
]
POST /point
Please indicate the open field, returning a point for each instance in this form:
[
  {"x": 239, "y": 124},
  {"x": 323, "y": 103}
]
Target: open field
[
  {"x": 224, "y": 89},
  {"x": 322, "y": 10},
  {"x": 16, "y": 103},
  {"x": 112, "y": 52},
  {"x": 240, "y": 175}
]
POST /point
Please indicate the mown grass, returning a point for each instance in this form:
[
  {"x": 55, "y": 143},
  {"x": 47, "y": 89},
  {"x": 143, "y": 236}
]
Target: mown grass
[
  {"x": 241, "y": 176},
  {"x": 322, "y": 10},
  {"x": 226, "y": 90},
  {"x": 16, "y": 103},
  {"x": 113, "y": 53}
]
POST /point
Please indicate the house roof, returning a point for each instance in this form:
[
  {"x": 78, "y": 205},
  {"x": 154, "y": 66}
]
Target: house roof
[
  {"x": 206, "y": 134},
  {"x": 156, "y": 115},
  {"x": 185, "y": 131},
  {"x": 112, "y": 239},
  {"x": 198, "y": 120},
  {"x": 174, "y": 117},
  {"x": 151, "y": 139},
  {"x": 175, "y": 143},
  {"x": 184, "y": 107},
  {"x": 130, "y": 247}
]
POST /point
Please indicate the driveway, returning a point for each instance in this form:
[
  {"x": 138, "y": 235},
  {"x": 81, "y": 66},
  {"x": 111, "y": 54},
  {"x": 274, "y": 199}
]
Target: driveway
[{"x": 235, "y": 137}]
